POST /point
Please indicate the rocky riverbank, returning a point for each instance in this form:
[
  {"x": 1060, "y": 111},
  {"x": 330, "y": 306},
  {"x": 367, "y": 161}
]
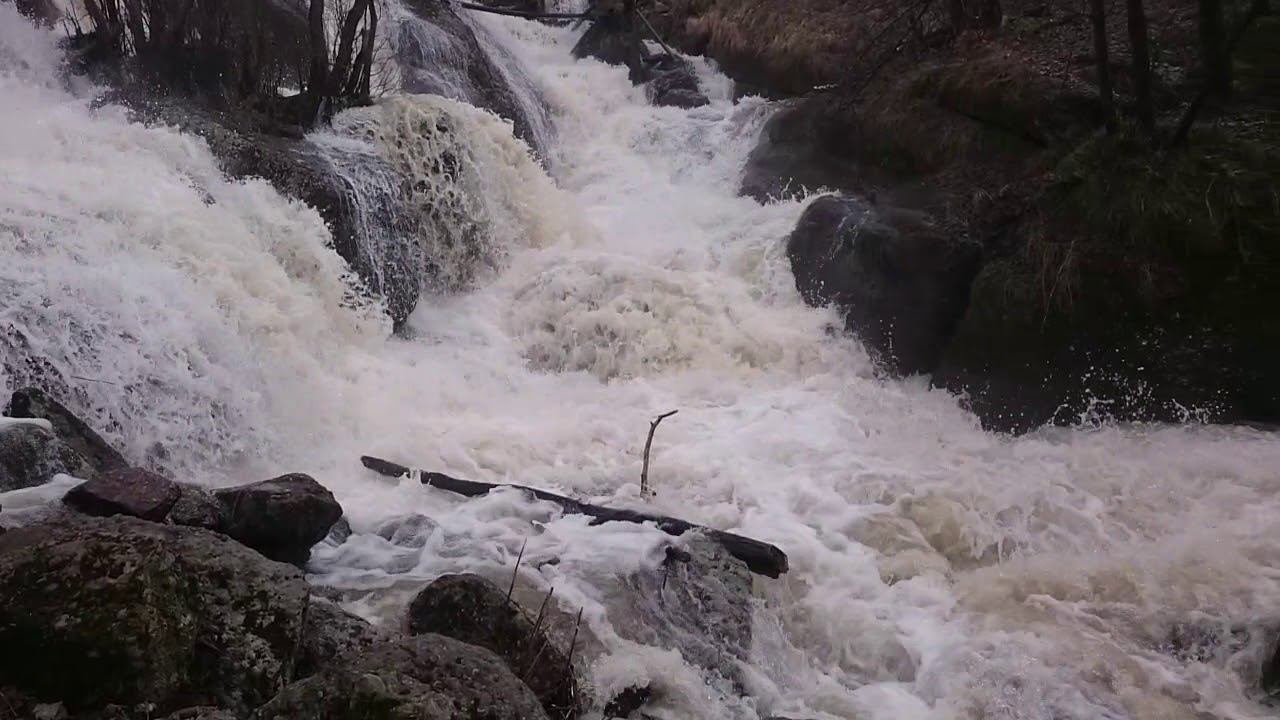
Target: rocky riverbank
[
  {"x": 991, "y": 235},
  {"x": 137, "y": 596}
]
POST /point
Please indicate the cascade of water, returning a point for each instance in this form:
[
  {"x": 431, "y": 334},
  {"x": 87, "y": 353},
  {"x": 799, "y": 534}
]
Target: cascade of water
[{"x": 937, "y": 571}]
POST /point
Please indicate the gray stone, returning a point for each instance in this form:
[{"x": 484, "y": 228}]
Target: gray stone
[
  {"x": 330, "y": 633},
  {"x": 698, "y": 602},
  {"x": 473, "y": 610},
  {"x": 134, "y": 492},
  {"x": 196, "y": 507},
  {"x": 282, "y": 518},
  {"x": 430, "y": 677},
  {"x": 902, "y": 283},
  {"x": 32, "y": 402},
  {"x": 411, "y": 531},
  {"x": 31, "y": 455},
  {"x": 97, "y": 611},
  {"x": 201, "y": 713}
]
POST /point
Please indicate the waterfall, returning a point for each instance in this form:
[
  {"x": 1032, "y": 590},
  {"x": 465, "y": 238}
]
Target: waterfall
[{"x": 206, "y": 325}]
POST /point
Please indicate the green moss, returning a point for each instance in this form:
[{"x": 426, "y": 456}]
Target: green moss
[{"x": 1175, "y": 222}]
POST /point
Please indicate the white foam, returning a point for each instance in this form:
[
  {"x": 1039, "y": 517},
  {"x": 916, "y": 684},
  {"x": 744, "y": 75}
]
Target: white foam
[
  {"x": 8, "y": 422},
  {"x": 1036, "y": 577}
]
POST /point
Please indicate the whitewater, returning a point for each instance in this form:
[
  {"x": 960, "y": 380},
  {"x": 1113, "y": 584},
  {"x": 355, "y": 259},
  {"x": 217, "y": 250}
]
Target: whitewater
[{"x": 937, "y": 571}]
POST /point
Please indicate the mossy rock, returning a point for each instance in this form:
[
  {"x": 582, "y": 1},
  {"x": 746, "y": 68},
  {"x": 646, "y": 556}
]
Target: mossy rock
[{"x": 97, "y": 611}]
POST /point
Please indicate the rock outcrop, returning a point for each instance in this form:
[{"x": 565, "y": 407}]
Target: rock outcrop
[
  {"x": 473, "y": 610},
  {"x": 31, "y": 455},
  {"x": 282, "y": 518},
  {"x": 123, "y": 611},
  {"x": 430, "y": 677},
  {"x": 901, "y": 282}
]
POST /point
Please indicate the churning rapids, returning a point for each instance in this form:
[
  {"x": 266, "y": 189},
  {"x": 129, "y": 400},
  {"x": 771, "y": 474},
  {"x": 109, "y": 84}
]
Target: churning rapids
[{"x": 937, "y": 571}]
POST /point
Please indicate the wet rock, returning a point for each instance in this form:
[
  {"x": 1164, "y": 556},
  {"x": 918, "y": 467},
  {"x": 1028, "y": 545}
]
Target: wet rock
[
  {"x": 430, "y": 677},
  {"x": 611, "y": 40},
  {"x": 442, "y": 56},
  {"x": 282, "y": 518},
  {"x": 410, "y": 531},
  {"x": 697, "y": 601},
  {"x": 45, "y": 12},
  {"x": 196, "y": 507},
  {"x": 33, "y": 402},
  {"x": 134, "y": 492},
  {"x": 673, "y": 83},
  {"x": 331, "y": 633},
  {"x": 31, "y": 455},
  {"x": 97, "y": 611},
  {"x": 339, "y": 533},
  {"x": 628, "y": 701},
  {"x": 901, "y": 282},
  {"x": 473, "y": 610}
]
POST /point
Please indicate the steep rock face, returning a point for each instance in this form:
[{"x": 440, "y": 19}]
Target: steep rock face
[
  {"x": 901, "y": 282},
  {"x": 120, "y": 610},
  {"x": 430, "y": 677},
  {"x": 440, "y": 54}
]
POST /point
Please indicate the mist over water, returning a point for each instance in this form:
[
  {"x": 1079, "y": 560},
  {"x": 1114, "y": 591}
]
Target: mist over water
[{"x": 937, "y": 571}]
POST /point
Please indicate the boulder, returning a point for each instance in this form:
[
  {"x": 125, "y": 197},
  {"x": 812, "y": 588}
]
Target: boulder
[
  {"x": 430, "y": 677},
  {"x": 97, "y": 611},
  {"x": 672, "y": 82},
  {"x": 611, "y": 39},
  {"x": 473, "y": 610},
  {"x": 32, "y": 402},
  {"x": 330, "y": 633},
  {"x": 411, "y": 531},
  {"x": 901, "y": 282},
  {"x": 697, "y": 601},
  {"x": 282, "y": 518},
  {"x": 31, "y": 455},
  {"x": 134, "y": 492},
  {"x": 196, "y": 507}
]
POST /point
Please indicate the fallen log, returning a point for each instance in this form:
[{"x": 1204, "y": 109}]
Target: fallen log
[{"x": 760, "y": 557}]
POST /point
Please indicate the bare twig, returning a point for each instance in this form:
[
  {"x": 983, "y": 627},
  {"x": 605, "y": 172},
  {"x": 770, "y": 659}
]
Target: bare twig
[
  {"x": 644, "y": 471},
  {"x": 516, "y": 571},
  {"x": 568, "y": 664},
  {"x": 534, "y": 636},
  {"x": 87, "y": 379}
]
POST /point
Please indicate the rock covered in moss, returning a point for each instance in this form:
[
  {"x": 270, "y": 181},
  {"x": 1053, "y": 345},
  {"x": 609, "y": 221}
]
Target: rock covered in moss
[
  {"x": 430, "y": 677},
  {"x": 473, "y": 610},
  {"x": 98, "y": 611},
  {"x": 282, "y": 518}
]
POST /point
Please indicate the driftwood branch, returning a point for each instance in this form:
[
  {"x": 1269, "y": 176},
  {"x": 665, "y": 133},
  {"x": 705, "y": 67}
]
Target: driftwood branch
[
  {"x": 760, "y": 557},
  {"x": 648, "y": 443}
]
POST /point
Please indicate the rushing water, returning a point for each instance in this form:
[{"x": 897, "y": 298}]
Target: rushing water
[{"x": 937, "y": 571}]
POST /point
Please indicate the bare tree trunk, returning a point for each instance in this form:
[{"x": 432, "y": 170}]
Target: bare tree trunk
[
  {"x": 1257, "y": 9},
  {"x": 1106, "y": 95},
  {"x": 317, "y": 80},
  {"x": 1213, "y": 48},
  {"x": 346, "y": 47},
  {"x": 361, "y": 76},
  {"x": 1141, "y": 49}
]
